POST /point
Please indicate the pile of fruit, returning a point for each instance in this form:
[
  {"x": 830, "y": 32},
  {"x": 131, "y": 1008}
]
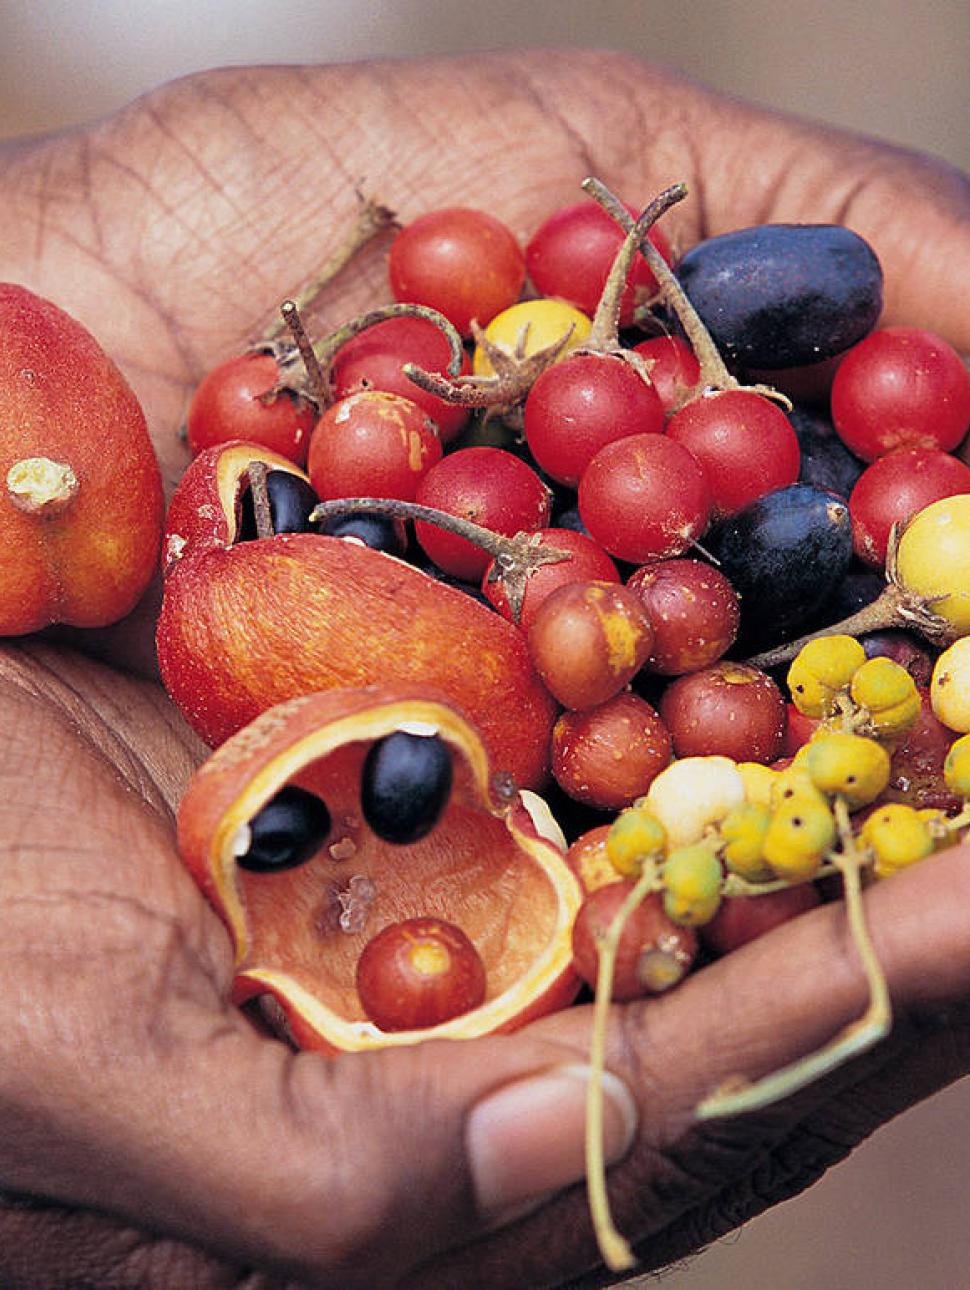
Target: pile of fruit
[{"x": 564, "y": 624}]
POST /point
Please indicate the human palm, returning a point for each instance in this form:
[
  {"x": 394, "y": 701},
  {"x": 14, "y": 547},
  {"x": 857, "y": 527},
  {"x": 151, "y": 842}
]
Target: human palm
[{"x": 163, "y": 1141}]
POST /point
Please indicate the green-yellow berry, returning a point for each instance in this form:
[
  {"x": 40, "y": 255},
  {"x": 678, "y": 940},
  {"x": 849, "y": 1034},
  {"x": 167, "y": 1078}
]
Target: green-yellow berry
[
  {"x": 897, "y": 837},
  {"x": 851, "y": 765},
  {"x": 820, "y": 670},
  {"x": 888, "y": 693},
  {"x": 802, "y": 829},
  {"x": 743, "y": 834},
  {"x": 635, "y": 835},
  {"x": 692, "y": 881}
]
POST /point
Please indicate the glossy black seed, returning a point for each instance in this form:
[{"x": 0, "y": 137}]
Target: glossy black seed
[
  {"x": 825, "y": 460},
  {"x": 783, "y": 295},
  {"x": 289, "y": 829},
  {"x": 379, "y": 532},
  {"x": 785, "y": 555},
  {"x": 291, "y": 499},
  {"x": 405, "y": 785}
]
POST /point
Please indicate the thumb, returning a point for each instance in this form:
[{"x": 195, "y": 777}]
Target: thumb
[{"x": 346, "y": 1171}]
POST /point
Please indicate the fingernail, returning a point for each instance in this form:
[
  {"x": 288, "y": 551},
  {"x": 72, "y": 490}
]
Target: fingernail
[{"x": 527, "y": 1140}]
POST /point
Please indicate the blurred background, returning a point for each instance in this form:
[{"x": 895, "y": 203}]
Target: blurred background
[{"x": 894, "y": 1215}]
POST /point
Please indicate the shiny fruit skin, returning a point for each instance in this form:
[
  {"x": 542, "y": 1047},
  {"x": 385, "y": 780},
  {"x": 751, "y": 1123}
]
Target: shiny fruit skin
[
  {"x": 931, "y": 560},
  {"x": 463, "y": 262},
  {"x": 674, "y": 371},
  {"x": 893, "y": 488},
  {"x": 587, "y": 561},
  {"x": 236, "y": 400},
  {"x": 694, "y": 611},
  {"x": 654, "y": 952},
  {"x": 729, "y": 709},
  {"x": 373, "y": 360},
  {"x": 582, "y": 403},
  {"x": 570, "y": 255},
  {"x": 588, "y": 640},
  {"x": 87, "y": 561},
  {"x": 372, "y": 444},
  {"x": 532, "y": 325},
  {"x": 644, "y": 497},
  {"x": 608, "y": 756},
  {"x": 419, "y": 973},
  {"x": 284, "y": 940},
  {"x": 901, "y": 387},
  {"x": 744, "y": 442}
]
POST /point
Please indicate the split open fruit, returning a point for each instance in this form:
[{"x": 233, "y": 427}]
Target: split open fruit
[{"x": 492, "y": 864}]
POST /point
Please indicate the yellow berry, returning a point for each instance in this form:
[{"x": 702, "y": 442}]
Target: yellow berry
[
  {"x": 529, "y": 326},
  {"x": 937, "y": 823},
  {"x": 956, "y": 767},
  {"x": 742, "y": 834},
  {"x": 950, "y": 686},
  {"x": 931, "y": 559},
  {"x": 758, "y": 781},
  {"x": 635, "y": 835},
  {"x": 796, "y": 782},
  {"x": 801, "y": 831},
  {"x": 897, "y": 837},
  {"x": 888, "y": 693},
  {"x": 820, "y": 670},
  {"x": 851, "y": 765},
  {"x": 692, "y": 880}
]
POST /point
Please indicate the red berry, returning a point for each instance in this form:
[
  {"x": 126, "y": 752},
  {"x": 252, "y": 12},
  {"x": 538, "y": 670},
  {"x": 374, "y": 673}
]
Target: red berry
[
  {"x": 419, "y": 973},
  {"x": 675, "y": 370},
  {"x": 587, "y": 561},
  {"x": 901, "y": 387},
  {"x": 694, "y": 610},
  {"x": 372, "y": 444},
  {"x": 242, "y": 399},
  {"x": 608, "y": 756},
  {"x": 745, "y": 443},
  {"x": 581, "y": 403},
  {"x": 729, "y": 709},
  {"x": 462, "y": 262},
  {"x": 654, "y": 952},
  {"x": 488, "y": 486},
  {"x": 893, "y": 488},
  {"x": 644, "y": 498},
  {"x": 740, "y": 919}
]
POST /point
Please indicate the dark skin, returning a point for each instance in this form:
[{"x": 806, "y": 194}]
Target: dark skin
[{"x": 161, "y": 1140}]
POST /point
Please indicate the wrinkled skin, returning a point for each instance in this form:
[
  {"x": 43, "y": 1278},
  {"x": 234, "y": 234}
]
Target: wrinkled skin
[{"x": 161, "y": 1140}]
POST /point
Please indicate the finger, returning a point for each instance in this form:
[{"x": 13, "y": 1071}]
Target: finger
[{"x": 749, "y": 1013}]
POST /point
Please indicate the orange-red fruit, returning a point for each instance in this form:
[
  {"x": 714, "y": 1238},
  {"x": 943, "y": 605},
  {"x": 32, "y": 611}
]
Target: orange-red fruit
[
  {"x": 80, "y": 490},
  {"x": 608, "y": 756},
  {"x": 587, "y": 640},
  {"x": 728, "y": 709},
  {"x": 245, "y": 626},
  {"x": 297, "y": 934},
  {"x": 586, "y": 560},
  {"x": 419, "y": 973},
  {"x": 654, "y": 953},
  {"x": 588, "y": 859}
]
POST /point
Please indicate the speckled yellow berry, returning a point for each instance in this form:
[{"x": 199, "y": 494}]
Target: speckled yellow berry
[
  {"x": 888, "y": 693},
  {"x": 820, "y": 670},
  {"x": 897, "y": 837},
  {"x": 851, "y": 765},
  {"x": 799, "y": 834},
  {"x": 796, "y": 782},
  {"x": 956, "y": 766},
  {"x": 758, "y": 781},
  {"x": 950, "y": 686},
  {"x": 742, "y": 835},
  {"x": 635, "y": 836},
  {"x": 692, "y": 881}
]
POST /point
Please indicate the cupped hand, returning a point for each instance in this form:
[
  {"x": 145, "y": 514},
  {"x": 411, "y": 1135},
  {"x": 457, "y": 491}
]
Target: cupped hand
[{"x": 152, "y": 1136}]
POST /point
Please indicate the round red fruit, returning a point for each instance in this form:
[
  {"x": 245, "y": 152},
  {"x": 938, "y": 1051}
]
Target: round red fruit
[
  {"x": 247, "y": 398},
  {"x": 462, "y": 262},
  {"x": 581, "y": 403},
  {"x": 588, "y": 640},
  {"x": 901, "y": 387},
  {"x": 744, "y": 442},
  {"x": 644, "y": 498},
  {"x": 587, "y": 561},
  {"x": 694, "y": 610},
  {"x": 372, "y": 444},
  {"x": 570, "y": 256},
  {"x": 740, "y": 919},
  {"x": 608, "y": 756},
  {"x": 654, "y": 953},
  {"x": 893, "y": 488},
  {"x": 488, "y": 486},
  {"x": 419, "y": 973},
  {"x": 728, "y": 709},
  {"x": 674, "y": 371}
]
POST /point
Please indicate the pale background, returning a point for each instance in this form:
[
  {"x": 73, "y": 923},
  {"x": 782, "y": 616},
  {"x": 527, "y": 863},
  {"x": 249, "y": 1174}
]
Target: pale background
[{"x": 895, "y": 1216}]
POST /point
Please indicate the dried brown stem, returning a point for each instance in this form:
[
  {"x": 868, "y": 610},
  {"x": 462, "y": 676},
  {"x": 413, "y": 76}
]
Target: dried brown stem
[
  {"x": 318, "y": 384},
  {"x": 257, "y": 472}
]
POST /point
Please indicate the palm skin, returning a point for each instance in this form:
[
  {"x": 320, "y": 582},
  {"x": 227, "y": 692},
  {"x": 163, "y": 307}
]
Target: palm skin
[{"x": 151, "y": 1136}]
